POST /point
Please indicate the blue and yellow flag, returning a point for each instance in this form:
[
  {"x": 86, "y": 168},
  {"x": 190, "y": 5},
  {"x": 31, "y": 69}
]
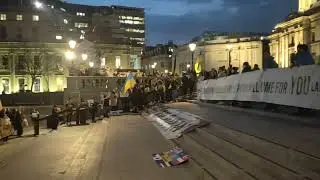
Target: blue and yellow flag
[{"x": 130, "y": 83}]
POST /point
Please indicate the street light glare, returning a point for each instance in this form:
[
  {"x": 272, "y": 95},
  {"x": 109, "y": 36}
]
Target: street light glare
[
  {"x": 70, "y": 55},
  {"x": 84, "y": 57},
  {"x": 38, "y": 4},
  {"x": 192, "y": 47},
  {"x": 91, "y": 64},
  {"x": 72, "y": 44},
  {"x": 188, "y": 66},
  {"x": 229, "y": 46}
]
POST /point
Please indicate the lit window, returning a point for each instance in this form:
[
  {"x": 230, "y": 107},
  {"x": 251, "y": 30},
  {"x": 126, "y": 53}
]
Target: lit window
[
  {"x": 118, "y": 62},
  {"x": 65, "y": 21},
  {"x": 81, "y": 14},
  {"x": 3, "y": 17},
  {"x": 62, "y": 9},
  {"x": 129, "y": 17},
  {"x": 138, "y": 18},
  {"x": 35, "y": 18},
  {"x": 19, "y": 17},
  {"x": 80, "y": 25},
  {"x": 58, "y": 37},
  {"x": 140, "y": 42}
]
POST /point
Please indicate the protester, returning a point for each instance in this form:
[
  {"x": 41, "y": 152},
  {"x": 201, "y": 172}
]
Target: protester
[
  {"x": 5, "y": 126},
  {"x": 303, "y": 57},
  {"x": 18, "y": 122},
  {"x": 246, "y": 67},
  {"x": 35, "y": 116},
  {"x": 55, "y": 117},
  {"x": 93, "y": 110},
  {"x": 113, "y": 101},
  {"x": 268, "y": 61},
  {"x": 255, "y": 67}
]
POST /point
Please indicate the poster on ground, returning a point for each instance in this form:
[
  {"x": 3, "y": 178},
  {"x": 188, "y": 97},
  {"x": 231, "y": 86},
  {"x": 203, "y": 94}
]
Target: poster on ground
[{"x": 170, "y": 158}]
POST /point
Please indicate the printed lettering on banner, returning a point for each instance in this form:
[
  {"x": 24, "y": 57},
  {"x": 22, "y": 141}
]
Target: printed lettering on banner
[{"x": 299, "y": 87}]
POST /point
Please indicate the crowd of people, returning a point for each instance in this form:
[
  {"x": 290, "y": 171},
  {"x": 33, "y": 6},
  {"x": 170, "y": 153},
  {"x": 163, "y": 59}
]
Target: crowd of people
[{"x": 301, "y": 58}]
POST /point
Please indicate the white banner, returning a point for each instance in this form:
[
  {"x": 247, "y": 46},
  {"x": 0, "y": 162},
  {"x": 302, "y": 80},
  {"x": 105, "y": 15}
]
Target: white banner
[{"x": 299, "y": 87}]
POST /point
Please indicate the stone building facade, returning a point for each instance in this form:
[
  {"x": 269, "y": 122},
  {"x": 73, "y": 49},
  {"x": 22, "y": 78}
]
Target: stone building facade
[
  {"x": 302, "y": 27},
  {"x": 216, "y": 49},
  {"x": 36, "y": 33}
]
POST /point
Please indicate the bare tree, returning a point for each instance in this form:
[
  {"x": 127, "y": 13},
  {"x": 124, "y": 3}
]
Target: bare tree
[{"x": 36, "y": 64}]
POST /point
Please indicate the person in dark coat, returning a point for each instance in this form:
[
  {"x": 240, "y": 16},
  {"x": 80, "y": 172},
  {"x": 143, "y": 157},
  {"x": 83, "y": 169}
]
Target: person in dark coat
[
  {"x": 18, "y": 123},
  {"x": 268, "y": 61},
  {"x": 93, "y": 110},
  {"x": 35, "y": 116},
  {"x": 55, "y": 118},
  {"x": 246, "y": 67}
]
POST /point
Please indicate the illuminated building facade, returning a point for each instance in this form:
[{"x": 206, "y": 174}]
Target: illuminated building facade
[{"x": 37, "y": 32}]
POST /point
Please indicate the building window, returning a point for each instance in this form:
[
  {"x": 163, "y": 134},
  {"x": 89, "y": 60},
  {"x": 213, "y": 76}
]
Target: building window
[
  {"x": 36, "y": 85},
  {"x": 5, "y": 86},
  {"x": 58, "y": 37},
  {"x": 135, "y": 30},
  {"x": 313, "y": 37},
  {"x": 3, "y": 33},
  {"x": 3, "y": 17},
  {"x": 81, "y": 25},
  {"x": 19, "y": 33},
  {"x": 5, "y": 63},
  {"x": 35, "y": 18},
  {"x": 21, "y": 84},
  {"x": 81, "y": 14},
  {"x": 19, "y": 17},
  {"x": 35, "y": 32},
  {"x": 21, "y": 63},
  {"x": 118, "y": 62},
  {"x": 37, "y": 62}
]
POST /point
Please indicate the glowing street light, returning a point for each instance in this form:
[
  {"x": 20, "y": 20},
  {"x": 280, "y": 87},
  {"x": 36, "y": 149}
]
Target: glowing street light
[
  {"x": 192, "y": 48},
  {"x": 91, "y": 64},
  {"x": 188, "y": 66},
  {"x": 70, "y": 55},
  {"x": 166, "y": 71},
  {"x": 84, "y": 56},
  {"x": 38, "y": 4},
  {"x": 72, "y": 44},
  {"x": 229, "y": 46}
]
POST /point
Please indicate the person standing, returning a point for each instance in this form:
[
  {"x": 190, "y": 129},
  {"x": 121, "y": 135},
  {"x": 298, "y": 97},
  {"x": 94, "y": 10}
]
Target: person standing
[
  {"x": 5, "y": 126},
  {"x": 55, "y": 117},
  {"x": 114, "y": 101},
  {"x": 18, "y": 123},
  {"x": 94, "y": 109},
  {"x": 35, "y": 117}
]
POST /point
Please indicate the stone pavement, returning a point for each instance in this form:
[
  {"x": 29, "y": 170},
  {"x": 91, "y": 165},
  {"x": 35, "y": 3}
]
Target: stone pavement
[{"x": 119, "y": 148}]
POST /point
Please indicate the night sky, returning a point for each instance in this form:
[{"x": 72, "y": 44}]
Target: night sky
[{"x": 181, "y": 20}]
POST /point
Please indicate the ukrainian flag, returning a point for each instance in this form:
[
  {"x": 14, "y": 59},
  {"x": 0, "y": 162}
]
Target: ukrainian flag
[{"x": 130, "y": 83}]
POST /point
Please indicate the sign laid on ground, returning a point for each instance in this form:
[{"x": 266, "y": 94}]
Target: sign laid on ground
[
  {"x": 173, "y": 123},
  {"x": 170, "y": 158},
  {"x": 299, "y": 87}
]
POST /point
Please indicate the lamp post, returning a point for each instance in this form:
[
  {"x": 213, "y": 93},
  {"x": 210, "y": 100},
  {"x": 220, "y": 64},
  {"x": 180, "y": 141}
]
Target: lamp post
[
  {"x": 229, "y": 48},
  {"x": 192, "y": 48}
]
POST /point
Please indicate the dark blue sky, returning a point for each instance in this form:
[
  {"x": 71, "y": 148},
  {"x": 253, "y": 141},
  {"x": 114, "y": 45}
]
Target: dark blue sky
[{"x": 181, "y": 20}]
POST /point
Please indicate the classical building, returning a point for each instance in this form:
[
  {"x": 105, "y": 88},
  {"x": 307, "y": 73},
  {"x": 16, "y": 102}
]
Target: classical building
[
  {"x": 302, "y": 27},
  {"x": 35, "y": 36},
  {"x": 158, "y": 58},
  {"x": 214, "y": 50}
]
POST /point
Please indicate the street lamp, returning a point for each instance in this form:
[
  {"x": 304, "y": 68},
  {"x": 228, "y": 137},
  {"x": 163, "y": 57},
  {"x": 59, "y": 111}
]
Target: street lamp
[
  {"x": 188, "y": 66},
  {"x": 72, "y": 44},
  {"x": 38, "y": 4},
  {"x": 84, "y": 56},
  {"x": 70, "y": 55},
  {"x": 192, "y": 48},
  {"x": 91, "y": 64},
  {"x": 166, "y": 71}
]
